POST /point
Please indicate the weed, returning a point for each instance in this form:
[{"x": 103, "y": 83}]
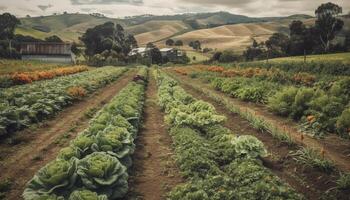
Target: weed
[
  {"x": 312, "y": 158},
  {"x": 343, "y": 182}
]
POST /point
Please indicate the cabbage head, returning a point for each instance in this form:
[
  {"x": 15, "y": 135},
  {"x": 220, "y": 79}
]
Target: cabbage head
[
  {"x": 248, "y": 146},
  {"x": 115, "y": 141},
  {"x": 68, "y": 152},
  {"x": 56, "y": 178},
  {"x": 103, "y": 174},
  {"x": 83, "y": 143},
  {"x": 86, "y": 195}
]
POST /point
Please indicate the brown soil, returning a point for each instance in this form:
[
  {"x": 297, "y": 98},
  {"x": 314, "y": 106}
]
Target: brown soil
[
  {"x": 154, "y": 172},
  {"x": 311, "y": 183},
  {"x": 37, "y": 147},
  {"x": 335, "y": 148}
]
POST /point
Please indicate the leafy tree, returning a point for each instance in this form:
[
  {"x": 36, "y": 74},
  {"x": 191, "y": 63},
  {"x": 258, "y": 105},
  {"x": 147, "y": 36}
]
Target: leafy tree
[
  {"x": 196, "y": 45},
  {"x": 347, "y": 41},
  {"x": 53, "y": 38},
  {"x": 327, "y": 24},
  {"x": 301, "y": 38},
  {"x": 154, "y": 54},
  {"x": 108, "y": 37},
  {"x": 179, "y": 43},
  {"x": 170, "y": 42},
  {"x": 228, "y": 56},
  {"x": 8, "y": 24},
  {"x": 253, "y": 52},
  {"x": 278, "y": 45}
]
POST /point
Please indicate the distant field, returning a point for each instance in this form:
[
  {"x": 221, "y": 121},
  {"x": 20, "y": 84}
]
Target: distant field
[
  {"x": 200, "y": 57},
  {"x": 341, "y": 57},
  {"x": 12, "y": 66}
]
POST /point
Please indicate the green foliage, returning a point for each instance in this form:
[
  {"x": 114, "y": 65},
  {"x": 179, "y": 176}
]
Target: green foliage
[
  {"x": 57, "y": 176},
  {"x": 86, "y": 195},
  {"x": 24, "y": 105},
  {"x": 313, "y": 158},
  {"x": 103, "y": 173},
  {"x": 343, "y": 123},
  {"x": 343, "y": 182},
  {"x": 104, "y": 150}
]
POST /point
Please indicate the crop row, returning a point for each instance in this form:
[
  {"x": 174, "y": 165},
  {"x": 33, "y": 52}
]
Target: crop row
[
  {"x": 217, "y": 163},
  {"x": 320, "y": 110},
  {"x": 21, "y": 106},
  {"x": 95, "y": 164},
  {"x": 20, "y": 78}
]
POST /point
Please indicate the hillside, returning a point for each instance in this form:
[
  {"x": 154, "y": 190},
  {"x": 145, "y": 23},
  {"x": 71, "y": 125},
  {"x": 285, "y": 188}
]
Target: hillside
[
  {"x": 235, "y": 37},
  {"x": 220, "y": 30}
]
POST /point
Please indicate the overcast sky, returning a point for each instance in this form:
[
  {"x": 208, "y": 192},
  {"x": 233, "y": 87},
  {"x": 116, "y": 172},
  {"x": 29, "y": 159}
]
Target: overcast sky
[{"x": 121, "y": 8}]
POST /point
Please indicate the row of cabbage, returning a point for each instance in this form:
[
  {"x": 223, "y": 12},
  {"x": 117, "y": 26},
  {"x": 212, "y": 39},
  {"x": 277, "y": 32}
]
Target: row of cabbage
[
  {"x": 216, "y": 163},
  {"x": 321, "y": 109},
  {"x": 21, "y": 106},
  {"x": 95, "y": 164}
]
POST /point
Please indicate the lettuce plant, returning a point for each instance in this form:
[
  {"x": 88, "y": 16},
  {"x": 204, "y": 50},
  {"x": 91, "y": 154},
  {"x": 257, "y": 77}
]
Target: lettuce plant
[
  {"x": 57, "y": 177},
  {"x": 83, "y": 143},
  {"x": 68, "y": 153},
  {"x": 103, "y": 174}
]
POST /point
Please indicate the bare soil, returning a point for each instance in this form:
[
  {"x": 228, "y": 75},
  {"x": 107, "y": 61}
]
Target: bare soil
[
  {"x": 34, "y": 148},
  {"x": 154, "y": 171},
  {"x": 310, "y": 182}
]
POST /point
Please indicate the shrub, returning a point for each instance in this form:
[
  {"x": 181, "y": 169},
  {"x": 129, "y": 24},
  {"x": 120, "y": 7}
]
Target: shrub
[
  {"x": 76, "y": 92},
  {"x": 282, "y": 102},
  {"x": 343, "y": 123}
]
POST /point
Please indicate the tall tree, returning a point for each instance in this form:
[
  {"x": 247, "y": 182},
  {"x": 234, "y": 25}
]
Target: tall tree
[
  {"x": 327, "y": 24},
  {"x": 8, "y": 24},
  {"x": 278, "y": 45},
  {"x": 301, "y": 40}
]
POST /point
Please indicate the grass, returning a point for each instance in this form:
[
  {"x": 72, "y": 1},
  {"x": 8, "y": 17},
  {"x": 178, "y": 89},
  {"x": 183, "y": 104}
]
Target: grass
[
  {"x": 12, "y": 66},
  {"x": 313, "y": 158},
  {"x": 200, "y": 57},
  {"x": 339, "y": 57}
]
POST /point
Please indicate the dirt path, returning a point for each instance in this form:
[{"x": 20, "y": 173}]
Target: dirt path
[
  {"x": 312, "y": 183},
  {"x": 154, "y": 171},
  {"x": 335, "y": 148},
  {"x": 36, "y": 148}
]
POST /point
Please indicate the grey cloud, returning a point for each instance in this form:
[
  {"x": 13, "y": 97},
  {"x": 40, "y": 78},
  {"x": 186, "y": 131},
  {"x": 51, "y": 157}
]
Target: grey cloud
[
  {"x": 2, "y": 8},
  {"x": 44, "y": 7},
  {"x": 230, "y": 3},
  {"x": 95, "y": 2}
]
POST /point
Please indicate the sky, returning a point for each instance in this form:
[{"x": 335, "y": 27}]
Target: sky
[{"x": 122, "y": 8}]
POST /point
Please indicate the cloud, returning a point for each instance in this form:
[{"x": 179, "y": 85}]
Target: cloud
[
  {"x": 44, "y": 7},
  {"x": 103, "y": 2},
  {"x": 2, "y": 8}
]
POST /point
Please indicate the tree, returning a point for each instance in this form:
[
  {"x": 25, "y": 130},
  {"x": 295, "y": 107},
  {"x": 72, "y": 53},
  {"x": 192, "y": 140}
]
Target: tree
[
  {"x": 301, "y": 39},
  {"x": 170, "y": 42},
  {"x": 278, "y": 45},
  {"x": 179, "y": 43},
  {"x": 54, "y": 38},
  {"x": 8, "y": 24},
  {"x": 228, "y": 56},
  {"x": 327, "y": 24},
  {"x": 253, "y": 52},
  {"x": 347, "y": 41},
  {"x": 108, "y": 36},
  {"x": 196, "y": 45}
]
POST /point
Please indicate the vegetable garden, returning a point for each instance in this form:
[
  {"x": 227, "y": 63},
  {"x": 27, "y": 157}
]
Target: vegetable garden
[{"x": 206, "y": 158}]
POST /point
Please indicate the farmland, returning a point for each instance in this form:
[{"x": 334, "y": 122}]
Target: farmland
[{"x": 188, "y": 127}]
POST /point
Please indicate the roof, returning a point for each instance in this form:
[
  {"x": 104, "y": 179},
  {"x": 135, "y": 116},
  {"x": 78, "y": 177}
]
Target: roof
[{"x": 166, "y": 49}]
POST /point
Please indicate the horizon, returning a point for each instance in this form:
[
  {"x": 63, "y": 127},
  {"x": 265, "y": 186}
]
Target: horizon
[{"x": 130, "y": 8}]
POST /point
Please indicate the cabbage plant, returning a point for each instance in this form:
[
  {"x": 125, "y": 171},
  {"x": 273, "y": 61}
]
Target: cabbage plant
[
  {"x": 117, "y": 142},
  {"x": 86, "y": 195},
  {"x": 103, "y": 174},
  {"x": 56, "y": 178}
]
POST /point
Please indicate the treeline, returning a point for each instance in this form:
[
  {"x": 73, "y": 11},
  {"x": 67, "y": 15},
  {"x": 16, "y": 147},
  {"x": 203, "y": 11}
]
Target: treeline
[{"x": 303, "y": 39}]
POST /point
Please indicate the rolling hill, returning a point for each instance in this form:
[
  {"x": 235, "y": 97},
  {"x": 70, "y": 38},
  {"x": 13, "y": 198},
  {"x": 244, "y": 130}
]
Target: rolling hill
[{"x": 220, "y": 30}]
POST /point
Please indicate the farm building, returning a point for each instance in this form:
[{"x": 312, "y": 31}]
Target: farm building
[
  {"x": 47, "y": 52},
  {"x": 139, "y": 51},
  {"x": 171, "y": 54}
]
